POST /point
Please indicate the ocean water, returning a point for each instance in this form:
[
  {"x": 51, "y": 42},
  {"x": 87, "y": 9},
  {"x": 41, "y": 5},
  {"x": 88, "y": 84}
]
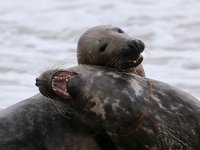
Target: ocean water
[{"x": 41, "y": 34}]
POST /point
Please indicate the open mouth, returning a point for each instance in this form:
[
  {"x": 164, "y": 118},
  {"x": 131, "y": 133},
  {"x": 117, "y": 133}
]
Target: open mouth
[
  {"x": 59, "y": 83},
  {"x": 131, "y": 63}
]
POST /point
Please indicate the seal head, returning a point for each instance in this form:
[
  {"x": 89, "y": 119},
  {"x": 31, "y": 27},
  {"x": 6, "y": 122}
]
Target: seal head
[{"x": 110, "y": 46}]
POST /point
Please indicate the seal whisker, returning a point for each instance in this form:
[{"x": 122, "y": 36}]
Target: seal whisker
[
  {"x": 54, "y": 104},
  {"x": 117, "y": 64},
  {"x": 59, "y": 110},
  {"x": 148, "y": 49},
  {"x": 112, "y": 61},
  {"x": 49, "y": 101},
  {"x": 57, "y": 65},
  {"x": 65, "y": 62},
  {"x": 64, "y": 107}
]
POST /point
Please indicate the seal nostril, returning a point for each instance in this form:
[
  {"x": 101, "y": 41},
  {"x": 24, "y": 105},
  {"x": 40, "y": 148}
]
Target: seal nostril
[
  {"x": 137, "y": 45},
  {"x": 134, "y": 44},
  {"x": 36, "y": 83}
]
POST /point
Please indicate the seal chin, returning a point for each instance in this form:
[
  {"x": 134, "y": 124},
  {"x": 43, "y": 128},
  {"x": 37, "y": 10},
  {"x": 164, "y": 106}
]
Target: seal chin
[
  {"x": 131, "y": 63},
  {"x": 60, "y": 81}
]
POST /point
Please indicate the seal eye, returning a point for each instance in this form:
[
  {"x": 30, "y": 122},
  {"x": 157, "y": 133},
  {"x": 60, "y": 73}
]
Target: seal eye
[
  {"x": 102, "y": 48},
  {"x": 118, "y": 30}
]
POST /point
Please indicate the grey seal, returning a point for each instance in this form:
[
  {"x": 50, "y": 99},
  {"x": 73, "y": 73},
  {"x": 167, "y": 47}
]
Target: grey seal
[{"x": 136, "y": 112}]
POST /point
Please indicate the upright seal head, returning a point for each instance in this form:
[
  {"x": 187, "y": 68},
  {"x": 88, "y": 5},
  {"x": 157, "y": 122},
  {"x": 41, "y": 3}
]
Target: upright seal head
[{"x": 110, "y": 46}]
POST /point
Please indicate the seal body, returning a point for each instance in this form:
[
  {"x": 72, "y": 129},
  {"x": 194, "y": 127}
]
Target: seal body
[
  {"x": 136, "y": 112},
  {"x": 110, "y": 46},
  {"x": 33, "y": 124}
]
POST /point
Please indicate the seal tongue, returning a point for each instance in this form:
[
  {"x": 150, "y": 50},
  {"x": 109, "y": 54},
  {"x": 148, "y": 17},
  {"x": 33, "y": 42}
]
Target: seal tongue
[
  {"x": 59, "y": 83},
  {"x": 59, "y": 86}
]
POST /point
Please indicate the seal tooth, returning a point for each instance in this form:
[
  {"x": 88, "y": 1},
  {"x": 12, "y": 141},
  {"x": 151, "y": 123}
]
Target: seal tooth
[
  {"x": 69, "y": 77},
  {"x": 61, "y": 91}
]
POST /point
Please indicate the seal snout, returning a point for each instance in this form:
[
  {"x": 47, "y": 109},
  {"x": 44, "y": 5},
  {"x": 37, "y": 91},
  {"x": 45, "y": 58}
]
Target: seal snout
[
  {"x": 55, "y": 83},
  {"x": 39, "y": 82},
  {"x": 131, "y": 56},
  {"x": 137, "y": 45},
  {"x": 43, "y": 84}
]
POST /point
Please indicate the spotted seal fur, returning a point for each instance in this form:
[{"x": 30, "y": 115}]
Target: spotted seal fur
[
  {"x": 136, "y": 112},
  {"x": 33, "y": 124}
]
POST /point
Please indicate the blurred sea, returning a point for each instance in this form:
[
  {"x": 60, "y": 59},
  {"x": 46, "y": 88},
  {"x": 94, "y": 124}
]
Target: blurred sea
[{"x": 38, "y": 34}]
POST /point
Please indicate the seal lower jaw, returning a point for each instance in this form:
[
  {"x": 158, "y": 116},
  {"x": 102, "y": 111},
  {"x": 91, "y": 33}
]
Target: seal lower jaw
[
  {"x": 60, "y": 81},
  {"x": 131, "y": 63}
]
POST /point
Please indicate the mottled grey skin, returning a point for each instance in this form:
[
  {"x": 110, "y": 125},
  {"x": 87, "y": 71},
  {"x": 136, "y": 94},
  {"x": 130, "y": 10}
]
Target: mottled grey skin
[
  {"x": 137, "y": 113},
  {"x": 33, "y": 125},
  {"x": 105, "y": 45}
]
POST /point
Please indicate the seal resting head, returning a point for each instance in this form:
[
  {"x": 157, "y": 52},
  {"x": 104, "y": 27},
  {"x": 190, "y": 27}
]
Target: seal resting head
[{"x": 110, "y": 46}]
